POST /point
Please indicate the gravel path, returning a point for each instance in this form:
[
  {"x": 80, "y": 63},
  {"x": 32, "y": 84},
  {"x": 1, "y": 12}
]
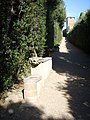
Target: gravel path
[{"x": 66, "y": 94}]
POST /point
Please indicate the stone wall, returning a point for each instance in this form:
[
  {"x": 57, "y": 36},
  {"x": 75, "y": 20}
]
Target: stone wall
[
  {"x": 34, "y": 83},
  {"x": 43, "y": 68}
]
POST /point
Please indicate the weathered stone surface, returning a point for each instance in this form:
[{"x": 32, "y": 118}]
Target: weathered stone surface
[
  {"x": 43, "y": 69},
  {"x": 30, "y": 87},
  {"x": 34, "y": 83},
  {"x": 31, "y": 93}
]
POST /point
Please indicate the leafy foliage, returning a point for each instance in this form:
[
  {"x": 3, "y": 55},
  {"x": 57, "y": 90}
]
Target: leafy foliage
[
  {"x": 26, "y": 29},
  {"x": 55, "y": 18},
  {"x": 31, "y": 29},
  {"x": 80, "y": 35},
  {"x": 22, "y": 35},
  {"x": 5, "y": 44},
  {"x": 57, "y": 34}
]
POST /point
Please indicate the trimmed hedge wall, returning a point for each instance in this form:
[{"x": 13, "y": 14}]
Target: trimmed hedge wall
[
  {"x": 26, "y": 30},
  {"x": 80, "y": 34}
]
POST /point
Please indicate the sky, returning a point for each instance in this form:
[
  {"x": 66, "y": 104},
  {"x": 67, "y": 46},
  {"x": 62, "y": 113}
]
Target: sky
[{"x": 75, "y": 7}]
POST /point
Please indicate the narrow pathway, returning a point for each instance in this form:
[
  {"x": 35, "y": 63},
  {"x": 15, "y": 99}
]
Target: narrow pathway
[{"x": 66, "y": 94}]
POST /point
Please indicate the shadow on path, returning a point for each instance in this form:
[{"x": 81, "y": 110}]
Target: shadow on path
[
  {"x": 76, "y": 66},
  {"x": 23, "y": 111},
  {"x": 19, "y": 111}
]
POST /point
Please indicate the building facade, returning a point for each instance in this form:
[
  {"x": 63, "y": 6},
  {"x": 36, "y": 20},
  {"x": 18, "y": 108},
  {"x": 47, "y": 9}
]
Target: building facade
[{"x": 70, "y": 21}]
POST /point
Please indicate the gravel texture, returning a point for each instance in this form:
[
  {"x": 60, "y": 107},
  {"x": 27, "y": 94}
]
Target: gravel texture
[{"x": 66, "y": 93}]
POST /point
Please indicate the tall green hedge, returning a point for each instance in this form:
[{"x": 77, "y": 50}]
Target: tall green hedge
[
  {"x": 31, "y": 30},
  {"x": 22, "y": 35},
  {"x": 80, "y": 34},
  {"x": 57, "y": 34},
  {"x": 55, "y": 20},
  {"x": 25, "y": 28}
]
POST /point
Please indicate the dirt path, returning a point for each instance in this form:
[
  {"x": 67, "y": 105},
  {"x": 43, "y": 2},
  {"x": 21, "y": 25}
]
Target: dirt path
[
  {"x": 66, "y": 95},
  {"x": 67, "y": 90}
]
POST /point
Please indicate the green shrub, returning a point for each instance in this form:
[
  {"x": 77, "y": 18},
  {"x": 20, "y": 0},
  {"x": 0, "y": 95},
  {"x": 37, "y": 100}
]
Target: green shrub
[
  {"x": 20, "y": 39},
  {"x": 55, "y": 21},
  {"x": 80, "y": 35},
  {"x": 57, "y": 34},
  {"x": 24, "y": 27}
]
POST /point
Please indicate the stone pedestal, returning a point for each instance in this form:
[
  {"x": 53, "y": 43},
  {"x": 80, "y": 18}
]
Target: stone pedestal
[
  {"x": 34, "y": 83},
  {"x": 30, "y": 87}
]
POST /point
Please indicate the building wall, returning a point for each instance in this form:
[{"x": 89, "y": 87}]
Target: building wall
[{"x": 70, "y": 22}]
